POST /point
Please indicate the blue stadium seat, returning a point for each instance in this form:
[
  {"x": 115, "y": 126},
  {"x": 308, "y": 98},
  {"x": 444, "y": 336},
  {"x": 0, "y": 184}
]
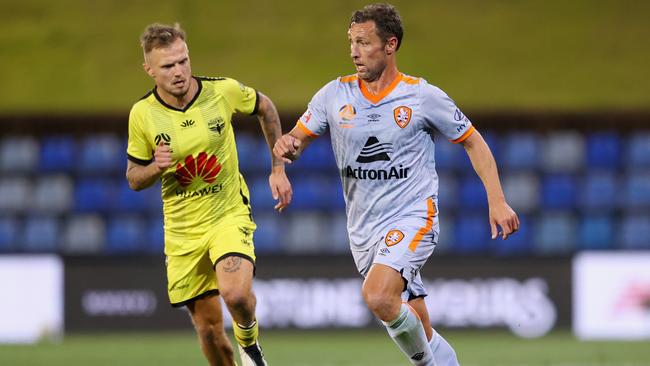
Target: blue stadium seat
[
  {"x": 247, "y": 153},
  {"x": 563, "y": 152},
  {"x": 599, "y": 190},
  {"x": 126, "y": 234},
  {"x": 520, "y": 150},
  {"x": 446, "y": 239},
  {"x": 8, "y": 234},
  {"x": 472, "y": 234},
  {"x": 448, "y": 191},
  {"x": 635, "y": 231},
  {"x": 555, "y": 233},
  {"x": 522, "y": 191},
  {"x": 471, "y": 192},
  {"x": 83, "y": 234},
  {"x": 559, "y": 191},
  {"x": 155, "y": 236},
  {"x": 270, "y": 234},
  {"x": 19, "y": 154},
  {"x": 58, "y": 153},
  {"x": 102, "y": 154},
  {"x": 604, "y": 150},
  {"x": 128, "y": 200},
  {"x": 15, "y": 194},
  {"x": 448, "y": 156},
  {"x": 596, "y": 232},
  {"x": 319, "y": 156},
  {"x": 636, "y": 190},
  {"x": 261, "y": 193},
  {"x": 306, "y": 232},
  {"x": 41, "y": 234},
  {"x": 52, "y": 194},
  {"x": 94, "y": 195},
  {"x": 338, "y": 228},
  {"x": 638, "y": 151},
  {"x": 316, "y": 192},
  {"x": 519, "y": 244}
]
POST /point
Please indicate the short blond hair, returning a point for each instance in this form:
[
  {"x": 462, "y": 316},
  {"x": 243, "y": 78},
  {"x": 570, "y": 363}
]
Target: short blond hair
[{"x": 160, "y": 35}]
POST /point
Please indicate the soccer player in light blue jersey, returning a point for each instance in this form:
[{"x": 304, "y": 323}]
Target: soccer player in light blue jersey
[{"x": 382, "y": 126}]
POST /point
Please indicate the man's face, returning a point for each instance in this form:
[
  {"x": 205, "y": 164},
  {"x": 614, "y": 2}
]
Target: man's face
[
  {"x": 170, "y": 68},
  {"x": 368, "y": 51}
]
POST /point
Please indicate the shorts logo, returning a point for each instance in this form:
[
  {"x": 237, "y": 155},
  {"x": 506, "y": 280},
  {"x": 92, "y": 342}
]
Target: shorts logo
[
  {"x": 203, "y": 166},
  {"x": 393, "y": 237},
  {"x": 402, "y": 115},
  {"x": 347, "y": 112}
]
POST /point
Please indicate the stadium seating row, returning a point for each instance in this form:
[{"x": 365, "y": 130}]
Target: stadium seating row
[
  {"x": 528, "y": 192},
  {"x": 311, "y": 232},
  {"x": 558, "y": 152}
]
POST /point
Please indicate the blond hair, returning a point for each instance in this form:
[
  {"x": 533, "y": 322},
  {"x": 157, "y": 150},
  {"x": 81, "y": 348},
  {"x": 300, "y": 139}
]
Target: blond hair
[{"x": 160, "y": 35}]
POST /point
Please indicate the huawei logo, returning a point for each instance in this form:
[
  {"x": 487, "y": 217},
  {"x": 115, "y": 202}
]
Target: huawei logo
[{"x": 203, "y": 166}]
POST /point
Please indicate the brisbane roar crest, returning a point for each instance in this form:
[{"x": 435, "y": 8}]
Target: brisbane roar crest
[
  {"x": 402, "y": 115},
  {"x": 393, "y": 237}
]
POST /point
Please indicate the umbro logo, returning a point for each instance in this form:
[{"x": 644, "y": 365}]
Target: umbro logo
[
  {"x": 187, "y": 123},
  {"x": 373, "y": 150}
]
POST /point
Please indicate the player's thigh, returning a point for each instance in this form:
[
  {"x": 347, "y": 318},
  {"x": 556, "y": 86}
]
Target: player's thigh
[
  {"x": 189, "y": 276},
  {"x": 405, "y": 246},
  {"x": 233, "y": 253}
]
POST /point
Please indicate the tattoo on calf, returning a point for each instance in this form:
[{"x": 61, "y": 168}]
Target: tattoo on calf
[{"x": 232, "y": 264}]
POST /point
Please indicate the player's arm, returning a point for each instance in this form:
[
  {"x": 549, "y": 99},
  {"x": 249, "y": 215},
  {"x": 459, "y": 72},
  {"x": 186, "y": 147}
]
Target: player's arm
[
  {"x": 272, "y": 130},
  {"x": 290, "y": 146},
  {"x": 143, "y": 176},
  {"x": 483, "y": 162}
]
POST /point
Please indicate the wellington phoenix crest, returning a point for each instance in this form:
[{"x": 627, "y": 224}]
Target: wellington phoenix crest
[
  {"x": 203, "y": 166},
  {"x": 402, "y": 115}
]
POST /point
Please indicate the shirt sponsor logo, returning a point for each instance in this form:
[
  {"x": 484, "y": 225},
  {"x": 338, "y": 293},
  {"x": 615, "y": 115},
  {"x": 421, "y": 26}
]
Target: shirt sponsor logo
[
  {"x": 402, "y": 115},
  {"x": 393, "y": 237},
  {"x": 373, "y": 150},
  {"x": 203, "y": 167},
  {"x": 305, "y": 117},
  {"x": 375, "y": 174},
  {"x": 214, "y": 189}
]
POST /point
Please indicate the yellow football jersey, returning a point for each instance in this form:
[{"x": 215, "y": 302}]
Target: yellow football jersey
[{"x": 204, "y": 184}]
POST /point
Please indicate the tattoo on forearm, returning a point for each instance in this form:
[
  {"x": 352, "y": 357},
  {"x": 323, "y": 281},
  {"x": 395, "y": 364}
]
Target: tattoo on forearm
[{"x": 232, "y": 264}]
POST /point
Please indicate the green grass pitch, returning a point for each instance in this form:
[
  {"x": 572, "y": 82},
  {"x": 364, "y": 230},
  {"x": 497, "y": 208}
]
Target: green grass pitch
[{"x": 328, "y": 348}]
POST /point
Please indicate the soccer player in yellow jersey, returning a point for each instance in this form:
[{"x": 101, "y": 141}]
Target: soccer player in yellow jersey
[{"x": 181, "y": 133}]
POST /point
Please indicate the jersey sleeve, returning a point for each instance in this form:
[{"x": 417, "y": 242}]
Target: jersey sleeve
[
  {"x": 442, "y": 114},
  {"x": 241, "y": 98},
  {"x": 314, "y": 121},
  {"x": 139, "y": 149}
]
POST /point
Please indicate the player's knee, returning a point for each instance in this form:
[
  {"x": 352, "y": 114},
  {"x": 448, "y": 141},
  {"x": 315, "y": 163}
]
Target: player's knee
[
  {"x": 380, "y": 304},
  {"x": 238, "y": 299}
]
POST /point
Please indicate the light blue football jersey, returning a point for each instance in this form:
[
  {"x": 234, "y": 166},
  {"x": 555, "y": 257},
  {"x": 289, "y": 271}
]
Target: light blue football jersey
[{"x": 384, "y": 146}]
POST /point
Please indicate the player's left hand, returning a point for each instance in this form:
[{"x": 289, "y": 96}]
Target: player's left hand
[
  {"x": 280, "y": 187},
  {"x": 503, "y": 216}
]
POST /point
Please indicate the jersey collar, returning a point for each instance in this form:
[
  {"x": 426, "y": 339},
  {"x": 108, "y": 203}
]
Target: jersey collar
[
  {"x": 375, "y": 98},
  {"x": 196, "y": 96}
]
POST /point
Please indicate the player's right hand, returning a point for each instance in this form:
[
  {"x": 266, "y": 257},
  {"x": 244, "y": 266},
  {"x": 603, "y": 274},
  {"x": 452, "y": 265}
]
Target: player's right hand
[
  {"x": 162, "y": 157},
  {"x": 287, "y": 148}
]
